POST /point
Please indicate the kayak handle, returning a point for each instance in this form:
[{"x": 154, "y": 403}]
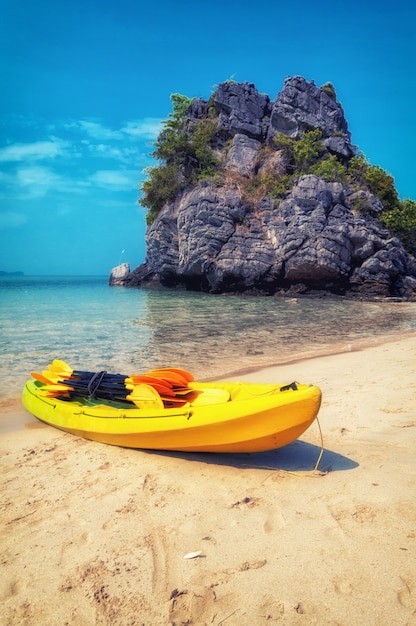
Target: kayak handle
[{"x": 292, "y": 386}]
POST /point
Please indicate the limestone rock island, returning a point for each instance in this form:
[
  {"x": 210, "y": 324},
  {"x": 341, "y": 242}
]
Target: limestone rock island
[{"x": 270, "y": 197}]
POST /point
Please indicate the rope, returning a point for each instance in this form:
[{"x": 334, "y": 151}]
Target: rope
[
  {"x": 312, "y": 472},
  {"x": 95, "y": 382},
  {"x": 315, "y": 469},
  {"x": 300, "y": 473}
]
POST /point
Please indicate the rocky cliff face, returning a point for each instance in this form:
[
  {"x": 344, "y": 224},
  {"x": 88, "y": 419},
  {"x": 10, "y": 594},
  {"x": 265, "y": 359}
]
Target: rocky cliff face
[{"x": 219, "y": 238}]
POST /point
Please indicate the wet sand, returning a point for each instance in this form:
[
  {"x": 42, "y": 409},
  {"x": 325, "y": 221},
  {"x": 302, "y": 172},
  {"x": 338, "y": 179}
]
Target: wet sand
[{"x": 97, "y": 535}]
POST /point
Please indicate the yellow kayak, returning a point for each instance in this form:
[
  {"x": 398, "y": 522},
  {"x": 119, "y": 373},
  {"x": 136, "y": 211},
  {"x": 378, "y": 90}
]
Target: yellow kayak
[{"x": 223, "y": 417}]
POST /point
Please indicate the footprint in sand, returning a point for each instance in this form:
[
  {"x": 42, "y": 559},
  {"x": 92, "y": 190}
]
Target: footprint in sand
[
  {"x": 343, "y": 585},
  {"x": 192, "y": 605},
  {"x": 9, "y": 588},
  {"x": 347, "y": 519},
  {"x": 271, "y": 609},
  {"x": 268, "y": 525},
  {"x": 407, "y": 594}
]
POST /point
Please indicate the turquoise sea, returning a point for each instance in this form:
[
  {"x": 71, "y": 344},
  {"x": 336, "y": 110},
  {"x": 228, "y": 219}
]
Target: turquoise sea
[{"x": 95, "y": 327}]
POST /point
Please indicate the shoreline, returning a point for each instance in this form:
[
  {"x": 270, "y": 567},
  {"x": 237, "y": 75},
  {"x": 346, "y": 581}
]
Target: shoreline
[
  {"x": 114, "y": 525},
  {"x": 359, "y": 346},
  {"x": 15, "y": 417}
]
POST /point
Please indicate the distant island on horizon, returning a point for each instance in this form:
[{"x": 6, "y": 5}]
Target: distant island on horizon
[{"x": 3, "y": 273}]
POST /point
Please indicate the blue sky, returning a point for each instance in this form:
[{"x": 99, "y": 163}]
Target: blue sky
[{"x": 86, "y": 84}]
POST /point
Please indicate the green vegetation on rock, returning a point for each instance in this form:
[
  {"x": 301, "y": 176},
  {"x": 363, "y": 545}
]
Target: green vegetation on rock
[
  {"x": 186, "y": 154},
  {"x": 375, "y": 179},
  {"x": 402, "y": 222},
  {"x": 329, "y": 89}
]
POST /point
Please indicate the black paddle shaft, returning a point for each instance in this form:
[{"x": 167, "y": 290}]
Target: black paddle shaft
[{"x": 98, "y": 385}]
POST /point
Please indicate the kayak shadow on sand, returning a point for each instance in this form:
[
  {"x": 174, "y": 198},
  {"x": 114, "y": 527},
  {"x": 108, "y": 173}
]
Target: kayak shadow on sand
[{"x": 298, "y": 456}]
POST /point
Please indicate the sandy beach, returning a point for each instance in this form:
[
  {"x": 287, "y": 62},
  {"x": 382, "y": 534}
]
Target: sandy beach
[{"x": 96, "y": 535}]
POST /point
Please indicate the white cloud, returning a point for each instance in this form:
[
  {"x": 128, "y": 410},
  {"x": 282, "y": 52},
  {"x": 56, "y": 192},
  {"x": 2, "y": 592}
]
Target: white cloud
[
  {"x": 12, "y": 219},
  {"x": 35, "y": 151},
  {"x": 95, "y": 130},
  {"x": 37, "y": 176},
  {"x": 123, "y": 154},
  {"x": 38, "y": 181},
  {"x": 114, "y": 179},
  {"x": 77, "y": 157},
  {"x": 147, "y": 128}
]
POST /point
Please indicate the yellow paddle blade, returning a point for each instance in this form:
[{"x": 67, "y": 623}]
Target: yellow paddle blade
[
  {"x": 56, "y": 394},
  {"x": 173, "y": 400},
  {"x": 210, "y": 396},
  {"x": 161, "y": 389},
  {"x": 184, "y": 391},
  {"x": 62, "y": 364},
  {"x": 61, "y": 367},
  {"x": 53, "y": 377},
  {"x": 47, "y": 380},
  {"x": 57, "y": 388},
  {"x": 145, "y": 397}
]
